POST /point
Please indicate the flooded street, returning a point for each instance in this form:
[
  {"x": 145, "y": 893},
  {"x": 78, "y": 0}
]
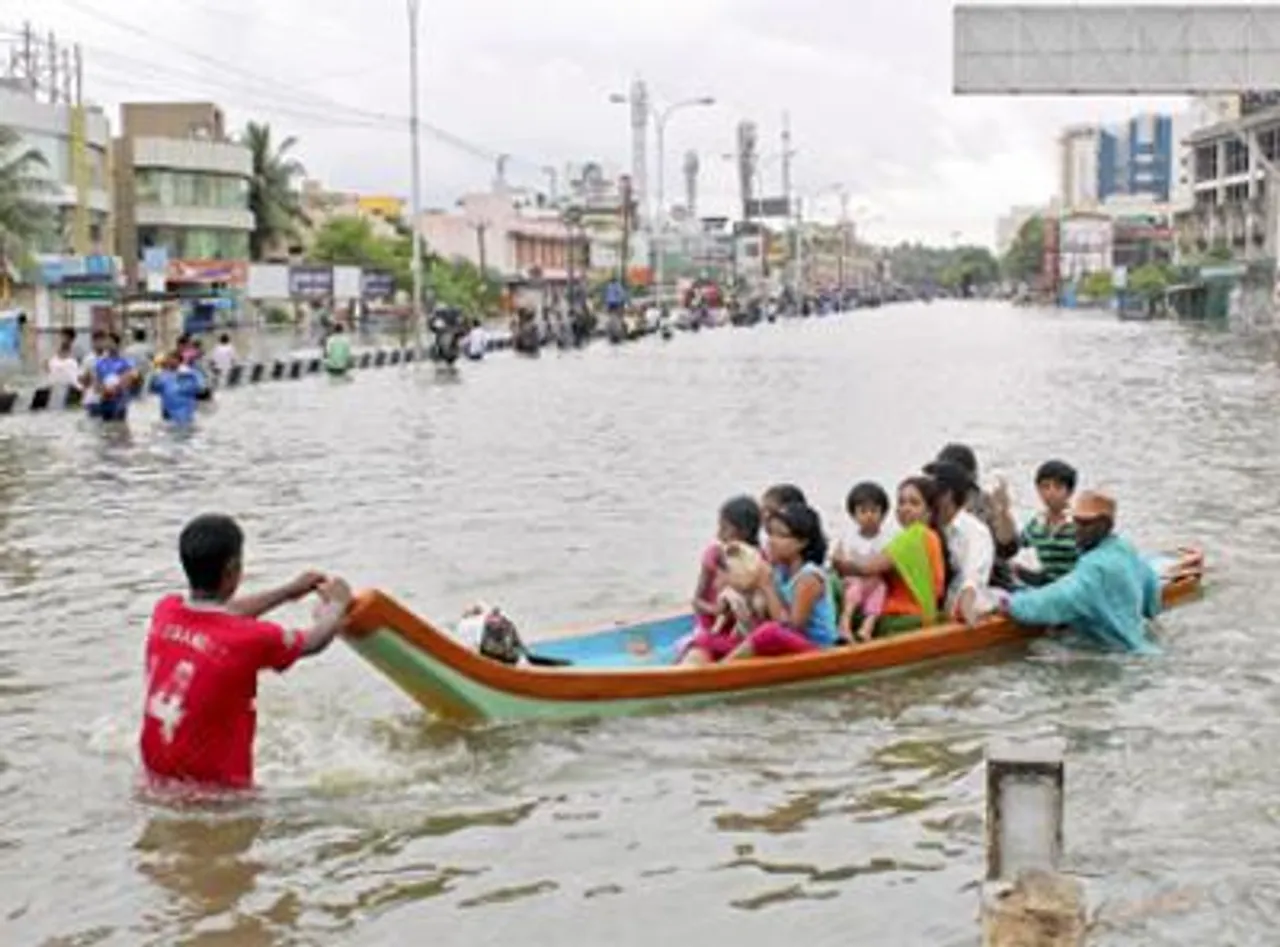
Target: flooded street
[{"x": 583, "y": 486}]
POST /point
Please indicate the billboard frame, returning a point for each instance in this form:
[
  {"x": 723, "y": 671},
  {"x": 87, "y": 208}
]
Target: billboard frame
[{"x": 1129, "y": 49}]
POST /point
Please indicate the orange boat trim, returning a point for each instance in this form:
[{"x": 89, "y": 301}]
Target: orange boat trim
[{"x": 374, "y": 611}]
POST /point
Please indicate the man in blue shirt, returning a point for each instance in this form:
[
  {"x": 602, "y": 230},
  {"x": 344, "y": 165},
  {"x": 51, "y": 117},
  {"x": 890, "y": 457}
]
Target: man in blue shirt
[
  {"x": 1112, "y": 591},
  {"x": 178, "y": 386},
  {"x": 113, "y": 377}
]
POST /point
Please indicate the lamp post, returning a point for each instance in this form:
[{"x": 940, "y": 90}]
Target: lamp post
[
  {"x": 660, "y": 118},
  {"x": 416, "y": 199}
]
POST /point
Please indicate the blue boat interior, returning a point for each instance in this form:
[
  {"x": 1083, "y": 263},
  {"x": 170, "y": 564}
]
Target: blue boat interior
[
  {"x": 643, "y": 644},
  {"x": 657, "y": 643}
]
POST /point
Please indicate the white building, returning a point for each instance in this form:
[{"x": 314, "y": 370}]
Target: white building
[
  {"x": 1078, "y": 147},
  {"x": 51, "y": 130},
  {"x": 506, "y": 232}
]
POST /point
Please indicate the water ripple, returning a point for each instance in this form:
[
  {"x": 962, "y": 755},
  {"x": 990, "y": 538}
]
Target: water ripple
[{"x": 581, "y": 487}]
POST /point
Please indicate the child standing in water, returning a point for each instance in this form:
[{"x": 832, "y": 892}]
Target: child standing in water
[{"x": 868, "y": 505}]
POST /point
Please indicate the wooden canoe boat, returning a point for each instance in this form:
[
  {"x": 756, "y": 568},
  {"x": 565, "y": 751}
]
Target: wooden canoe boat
[{"x": 630, "y": 668}]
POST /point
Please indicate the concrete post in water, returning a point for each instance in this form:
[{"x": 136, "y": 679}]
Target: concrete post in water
[{"x": 1025, "y": 902}]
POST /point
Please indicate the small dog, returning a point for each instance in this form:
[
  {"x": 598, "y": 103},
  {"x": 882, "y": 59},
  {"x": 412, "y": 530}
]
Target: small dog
[{"x": 742, "y": 604}]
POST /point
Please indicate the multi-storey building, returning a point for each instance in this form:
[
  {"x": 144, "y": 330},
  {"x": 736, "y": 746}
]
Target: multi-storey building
[
  {"x": 75, "y": 144},
  {"x": 182, "y": 193}
]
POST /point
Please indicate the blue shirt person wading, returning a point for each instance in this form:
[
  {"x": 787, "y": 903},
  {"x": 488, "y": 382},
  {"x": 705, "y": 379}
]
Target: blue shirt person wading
[
  {"x": 1110, "y": 594},
  {"x": 179, "y": 389},
  {"x": 113, "y": 376}
]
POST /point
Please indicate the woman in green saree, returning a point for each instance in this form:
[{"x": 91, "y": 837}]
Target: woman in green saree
[{"x": 912, "y": 564}]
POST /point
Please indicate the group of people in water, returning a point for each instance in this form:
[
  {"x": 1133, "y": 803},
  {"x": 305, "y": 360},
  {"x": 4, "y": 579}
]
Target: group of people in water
[
  {"x": 110, "y": 376},
  {"x": 772, "y": 585}
]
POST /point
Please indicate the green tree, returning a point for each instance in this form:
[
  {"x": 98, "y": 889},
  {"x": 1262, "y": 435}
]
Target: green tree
[
  {"x": 25, "y": 220},
  {"x": 351, "y": 241},
  {"x": 1220, "y": 252},
  {"x": 1025, "y": 259},
  {"x": 462, "y": 285},
  {"x": 273, "y": 189},
  {"x": 915, "y": 264},
  {"x": 1148, "y": 282},
  {"x": 1097, "y": 285}
]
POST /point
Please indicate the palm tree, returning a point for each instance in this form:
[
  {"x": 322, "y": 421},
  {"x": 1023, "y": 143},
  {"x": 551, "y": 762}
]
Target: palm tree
[
  {"x": 24, "y": 218},
  {"x": 273, "y": 191}
]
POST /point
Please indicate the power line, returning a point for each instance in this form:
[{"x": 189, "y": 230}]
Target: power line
[{"x": 263, "y": 82}]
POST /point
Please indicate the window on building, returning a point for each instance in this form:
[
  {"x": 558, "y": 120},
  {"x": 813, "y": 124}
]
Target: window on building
[
  {"x": 1268, "y": 142},
  {"x": 1206, "y": 199},
  {"x": 1236, "y": 193},
  {"x": 159, "y": 188},
  {"x": 1236, "y": 157},
  {"x": 1207, "y": 162},
  {"x": 184, "y": 243}
]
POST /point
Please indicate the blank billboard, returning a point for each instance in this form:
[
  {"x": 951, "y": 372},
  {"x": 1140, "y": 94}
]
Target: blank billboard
[{"x": 1064, "y": 49}]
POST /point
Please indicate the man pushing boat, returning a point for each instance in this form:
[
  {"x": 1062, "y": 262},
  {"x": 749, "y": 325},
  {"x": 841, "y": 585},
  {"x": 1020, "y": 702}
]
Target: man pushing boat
[
  {"x": 205, "y": 651},
  {"x": 1111, "y": 593}
]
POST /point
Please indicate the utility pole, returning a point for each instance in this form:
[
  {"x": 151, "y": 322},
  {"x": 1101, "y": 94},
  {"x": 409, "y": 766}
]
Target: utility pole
[
  {"x": 786, "y": 193},
  {"x": 624, "y": 256},
  {"x": 844, "y": 240},
  {"x": 416, "y": 157},
  {"x": 68, "y": 76},
  {"x": 553, "y": 180},
  {"x": 27, "y": 58},
  {"x": 52, "y": 66},
  {"x": 480, "y": 227}
]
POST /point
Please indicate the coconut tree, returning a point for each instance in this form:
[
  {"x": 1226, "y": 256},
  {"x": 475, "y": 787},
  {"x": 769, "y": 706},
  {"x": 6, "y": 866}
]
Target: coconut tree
[
  {"x": 24, "y": 217},
  {"x": 273, "y": 189}
]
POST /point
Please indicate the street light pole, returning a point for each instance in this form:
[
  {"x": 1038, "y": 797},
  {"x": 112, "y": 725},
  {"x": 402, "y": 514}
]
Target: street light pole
[
  {"x": 416, "y": 199},
  {"x": 660, "y": 121},
  {"x": 657, "y": 220}
]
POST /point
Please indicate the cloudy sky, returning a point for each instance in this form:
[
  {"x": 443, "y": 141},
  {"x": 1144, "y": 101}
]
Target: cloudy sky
[{"x": 867, "y": 84}]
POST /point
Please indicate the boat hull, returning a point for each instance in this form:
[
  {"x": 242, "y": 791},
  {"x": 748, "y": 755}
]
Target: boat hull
[{"x": 457, "y": 684}]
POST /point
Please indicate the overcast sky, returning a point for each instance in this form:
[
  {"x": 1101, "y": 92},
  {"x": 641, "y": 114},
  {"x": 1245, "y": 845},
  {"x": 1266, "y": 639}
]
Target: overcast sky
[{"x": 867, "y": 84}]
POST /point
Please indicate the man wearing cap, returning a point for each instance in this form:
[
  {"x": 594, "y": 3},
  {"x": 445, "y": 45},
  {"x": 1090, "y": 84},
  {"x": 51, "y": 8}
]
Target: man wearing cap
[{"x": 1110, "y": 593}]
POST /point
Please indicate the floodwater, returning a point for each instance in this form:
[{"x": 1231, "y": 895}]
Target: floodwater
[{"x": 582, "y": 486}]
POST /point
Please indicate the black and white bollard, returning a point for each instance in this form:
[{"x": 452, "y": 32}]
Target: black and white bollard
[{"x": 1026, "y": 902}]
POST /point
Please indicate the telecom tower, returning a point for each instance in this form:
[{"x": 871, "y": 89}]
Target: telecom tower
[
  {"x": 640, "y": 146},
  {"x": 748, "y": 136},
  {"x": 691, "y": 183}
]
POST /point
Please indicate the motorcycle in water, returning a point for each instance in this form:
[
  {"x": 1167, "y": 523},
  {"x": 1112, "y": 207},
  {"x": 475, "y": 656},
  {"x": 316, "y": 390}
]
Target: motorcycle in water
[{"x": 446, "y": 336}]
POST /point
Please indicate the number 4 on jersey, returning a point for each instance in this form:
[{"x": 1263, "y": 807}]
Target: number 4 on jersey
[{"x": 166, "y": 703}]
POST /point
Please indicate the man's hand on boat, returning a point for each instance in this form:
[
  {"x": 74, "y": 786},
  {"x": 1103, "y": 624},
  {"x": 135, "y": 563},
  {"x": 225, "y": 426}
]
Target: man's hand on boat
[
  {"x": 330, "y": 615},
  {"x": 1189, "y": 564},
  {"x": 306, "y": 583}
]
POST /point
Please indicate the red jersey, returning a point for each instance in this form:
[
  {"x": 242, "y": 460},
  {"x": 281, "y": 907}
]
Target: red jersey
[{"x": 199, "y": 719}]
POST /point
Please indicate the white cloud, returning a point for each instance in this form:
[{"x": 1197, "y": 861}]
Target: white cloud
[{"x": 867, "y": 85}]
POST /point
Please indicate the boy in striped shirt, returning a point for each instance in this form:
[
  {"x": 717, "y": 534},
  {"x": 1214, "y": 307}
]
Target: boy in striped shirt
[{"x": 1051, "y": 532}]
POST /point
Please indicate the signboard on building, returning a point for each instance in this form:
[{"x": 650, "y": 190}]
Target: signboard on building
[
  {"x": 769, "y": 207},
  {"x": 155, "y": 268},
  {"x": 377, "y": 284},
  {"x": 311, "y": 282},
  {"x": 225, "y": 272},
  {"x": 54, "y": 270}
]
